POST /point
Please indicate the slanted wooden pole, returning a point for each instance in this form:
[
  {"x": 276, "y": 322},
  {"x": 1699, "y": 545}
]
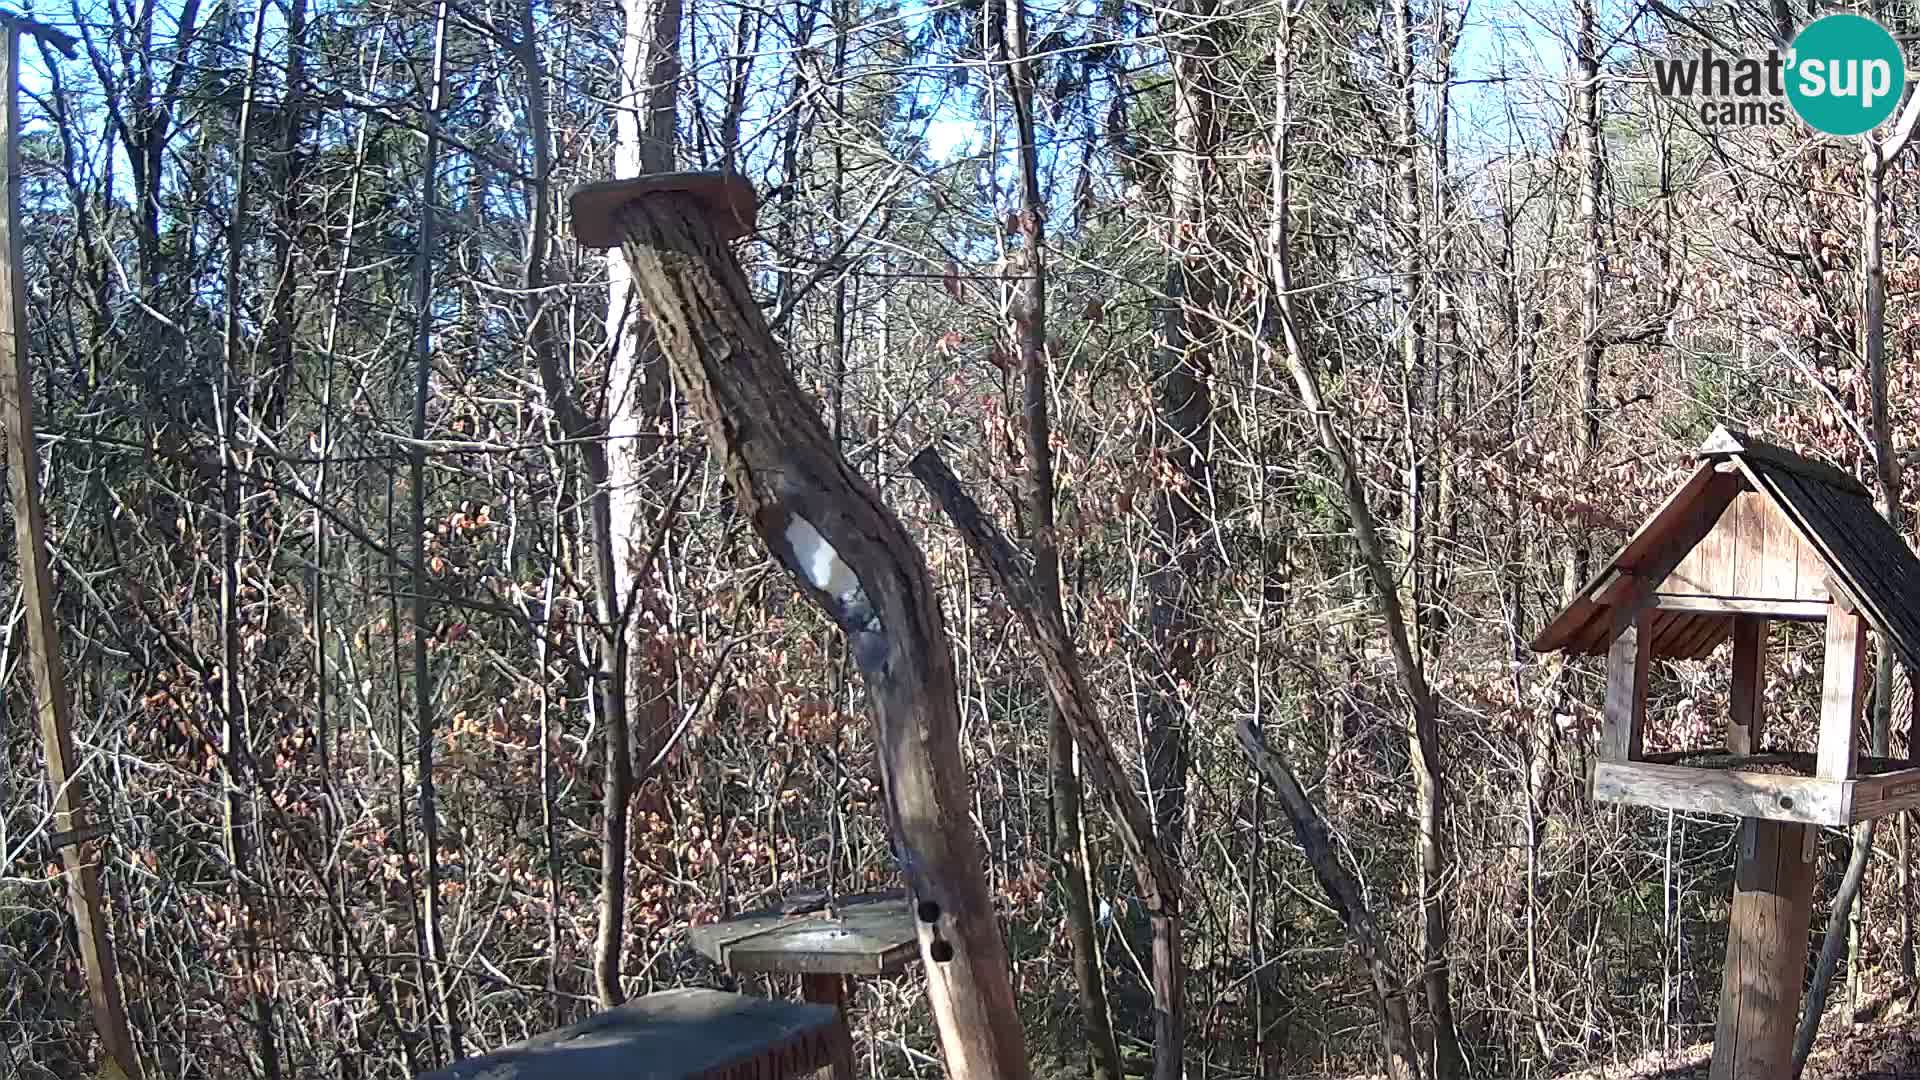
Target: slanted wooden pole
[
  {"x": 849, "y": 555},
  {"x": 64, "y": 774}
]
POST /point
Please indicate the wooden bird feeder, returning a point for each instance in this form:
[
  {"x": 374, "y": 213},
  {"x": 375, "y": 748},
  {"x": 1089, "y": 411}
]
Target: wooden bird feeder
[{"x": 1756, "y": 534}]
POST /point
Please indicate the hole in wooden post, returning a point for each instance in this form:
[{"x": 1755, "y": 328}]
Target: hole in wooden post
[
  {"x": 929, "y": 911},
  {"x": 941, "y": 952},
  {"x": 1786, "y": 802}
]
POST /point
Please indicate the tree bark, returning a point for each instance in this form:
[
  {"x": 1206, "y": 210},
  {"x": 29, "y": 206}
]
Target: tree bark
[
  {"x": 814, "y": 511},
  {"x": 1157, "y": 875},
  {"x": 1028, "y": 328},
  {"x": 1390, "y": 1001}
]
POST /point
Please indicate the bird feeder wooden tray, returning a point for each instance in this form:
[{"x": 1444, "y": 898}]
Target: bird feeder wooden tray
[{"x": 1756, "y": 534}]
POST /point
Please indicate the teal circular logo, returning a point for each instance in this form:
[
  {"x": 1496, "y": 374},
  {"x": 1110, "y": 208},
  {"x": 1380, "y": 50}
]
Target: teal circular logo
[{"x": 1845, "y": 74}]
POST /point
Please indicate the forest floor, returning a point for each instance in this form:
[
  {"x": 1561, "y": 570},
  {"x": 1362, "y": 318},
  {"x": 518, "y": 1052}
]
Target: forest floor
[{"x": 1882, "y": 1042}]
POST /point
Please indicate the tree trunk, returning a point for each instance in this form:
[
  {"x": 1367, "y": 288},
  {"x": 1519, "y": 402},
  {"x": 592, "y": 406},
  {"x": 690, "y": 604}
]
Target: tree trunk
[
  {"x": 1028, "y": 329},
  {"x": 422, "y": 609},
  {"x": 1586, "y": 424},
  {"x": 1423, "y": 734},
  {"x": 851, "y": 556},
  {"x": 624, "y": 468},
  {"x": 240, "y": 827}
]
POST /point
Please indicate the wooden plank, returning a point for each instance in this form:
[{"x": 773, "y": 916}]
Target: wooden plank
[
  {"x": 688, "y": 1034},
  {"x": 1712, "y": 559},
  {"x": 1626, "y": 707},
  {"x": 1749, "y": 685},
  {"x": 65, "y": 779},
  {"x": 1676, "y": 527},
  {"x": 1766, "y": 953},
  {"x": 1754, "y": 566},
  {"x": 1840, "y": 683},
  {"x": 1797, "y": 610},
  {"x": 833, "y": 990},
  {"x": 1787, "y": 551},
  {"x": 1808, "y": 800},
  {"x": 869, "y": 935},
  {"x": 1887, "y": 793},
  {"x": 1689, "y": 578}
]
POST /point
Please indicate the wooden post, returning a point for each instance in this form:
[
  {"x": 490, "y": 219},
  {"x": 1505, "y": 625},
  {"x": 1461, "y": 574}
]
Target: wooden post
[
  {"x": 830, "y": 989},
  {"x": 1840, "y": 693},
  {"x": 848, "y": 554},
  {"x": 1749, "y": 684},
  {"x": 1627, "y": 665},
  {"x": 1766, "y": 953},
  {"x": 64, "y": 774}
]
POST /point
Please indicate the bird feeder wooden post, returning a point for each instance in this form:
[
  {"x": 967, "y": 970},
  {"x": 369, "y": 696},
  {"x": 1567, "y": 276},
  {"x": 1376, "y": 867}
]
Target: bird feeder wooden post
[
  {"x": 1757, "y": 534},
  {"x": 847, "y": 553}
]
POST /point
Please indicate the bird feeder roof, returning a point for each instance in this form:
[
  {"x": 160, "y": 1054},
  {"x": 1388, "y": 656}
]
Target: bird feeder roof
[{"x": 1756, "y": 528}]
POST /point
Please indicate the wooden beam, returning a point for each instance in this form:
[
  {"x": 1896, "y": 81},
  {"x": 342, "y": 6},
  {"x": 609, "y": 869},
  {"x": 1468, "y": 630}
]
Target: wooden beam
[
  {"x": 1799, "y": 610},
  {"x": 1840, "y": 683},
  {"x": 65, "y": 777},
  {"x": 1627, "y": 665},
  {"x": 1749, "y": 684},
  {"x": 1809, "y": 800},
  {"x": 1888, "y": 793},
  {"x": 1766, "y": 953}
]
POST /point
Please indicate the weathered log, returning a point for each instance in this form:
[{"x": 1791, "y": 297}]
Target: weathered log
[{"x": 851, "y": 556}]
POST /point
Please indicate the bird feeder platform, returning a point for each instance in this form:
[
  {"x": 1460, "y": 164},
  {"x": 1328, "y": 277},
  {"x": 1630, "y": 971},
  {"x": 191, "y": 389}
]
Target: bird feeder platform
[
  {"x": 1757, "y": 534},
  {"x": 826, "y": 944},
  {"x": 689, "y": 1034}
]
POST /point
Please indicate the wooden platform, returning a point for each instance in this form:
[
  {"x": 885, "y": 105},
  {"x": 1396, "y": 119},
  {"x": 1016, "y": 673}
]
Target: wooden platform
[
  {"x": 689, "y": 1034},
  {"x": 1771, "y": 786},
  {"x": 868, "y": 934}
]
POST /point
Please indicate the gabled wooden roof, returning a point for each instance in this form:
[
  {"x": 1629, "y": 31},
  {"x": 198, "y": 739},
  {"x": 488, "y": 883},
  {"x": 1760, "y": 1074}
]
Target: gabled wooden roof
[{"x": 1754, "y": 525}]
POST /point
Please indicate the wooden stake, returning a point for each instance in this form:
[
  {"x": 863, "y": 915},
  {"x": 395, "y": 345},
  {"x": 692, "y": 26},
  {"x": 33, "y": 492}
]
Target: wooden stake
[{"x": 36, "y": 583}]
